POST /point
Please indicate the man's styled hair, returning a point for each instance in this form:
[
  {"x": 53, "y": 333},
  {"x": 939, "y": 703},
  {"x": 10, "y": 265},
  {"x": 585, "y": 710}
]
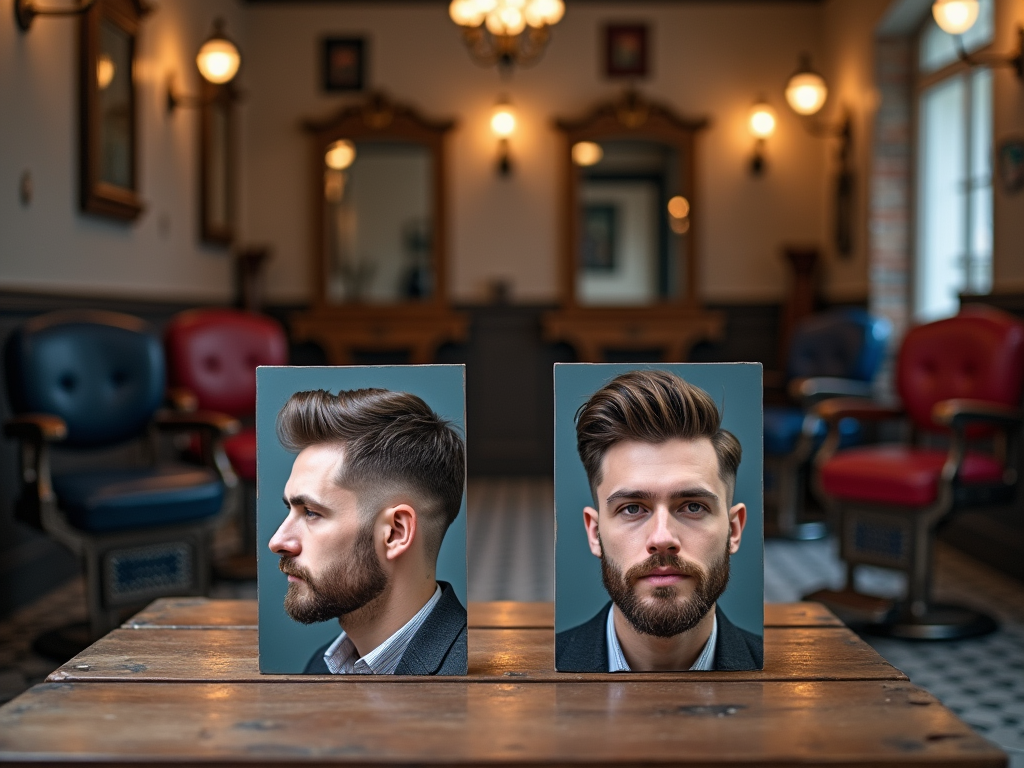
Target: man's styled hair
[
  {"x": 393, "y": 442},
  {"x": 652, "y": 407}
]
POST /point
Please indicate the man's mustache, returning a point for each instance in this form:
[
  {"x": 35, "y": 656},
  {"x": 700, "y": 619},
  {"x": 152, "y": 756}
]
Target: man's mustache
[
  {"x": 288, "y": 567},
  {"x": 654, "y": 562}
]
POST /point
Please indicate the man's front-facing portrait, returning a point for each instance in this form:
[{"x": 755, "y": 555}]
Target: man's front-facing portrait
[
  {"x": 652, "y": 498},
  {"x": 375, "y": 480}
]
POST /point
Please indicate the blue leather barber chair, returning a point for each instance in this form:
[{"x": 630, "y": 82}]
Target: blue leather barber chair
[
  {"x": 831, "y": 354},
  {"x": 80, "y": 383}
]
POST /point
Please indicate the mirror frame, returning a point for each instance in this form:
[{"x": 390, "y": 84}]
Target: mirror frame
[
  {"x": 378, "y": 118},
  {"x": 630, "y": 117},
  {"x": 213, "y": 96},
  {"x": 97, "y": 196}
]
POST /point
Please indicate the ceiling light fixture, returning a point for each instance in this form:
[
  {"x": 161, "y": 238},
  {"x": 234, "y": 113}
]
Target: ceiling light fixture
[{"x": 506, "y": 33}]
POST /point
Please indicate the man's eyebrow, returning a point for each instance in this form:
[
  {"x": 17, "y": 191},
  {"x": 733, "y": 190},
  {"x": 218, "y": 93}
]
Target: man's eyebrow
[
  {"x": 682, "y": 493},
  {"x": 300, "y": 501}
]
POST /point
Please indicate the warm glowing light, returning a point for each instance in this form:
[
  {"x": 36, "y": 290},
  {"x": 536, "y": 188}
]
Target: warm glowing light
[
  {"x": 540, "y": 13},
  {"x": 678, "y": 207},
  {"x": 506, "y": 19},
  {"x": 762, "y": 121},
  {"x": 587, "y": 153},
  {"x": 503, "y": 121},
  {"x": 806, "y": 91},
  {"x": 679, "y": 226},
  {"x": 105, "y": 70},
  {"x": 218, "y": 60},
  {"x": 340, "y": 155},
  {"x": 955, "y": 16},
  {"x": 466, "y": 13}
]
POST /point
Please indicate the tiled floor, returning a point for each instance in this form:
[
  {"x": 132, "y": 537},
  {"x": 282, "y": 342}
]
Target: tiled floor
[{"x": 511, "y": 544}]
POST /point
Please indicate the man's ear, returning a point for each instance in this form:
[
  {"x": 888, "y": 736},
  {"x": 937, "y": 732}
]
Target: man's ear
[
  {"x": 400, "y": 524},
  {"x": 737, "y": 522},
  {"x": 593, "y": 535}
]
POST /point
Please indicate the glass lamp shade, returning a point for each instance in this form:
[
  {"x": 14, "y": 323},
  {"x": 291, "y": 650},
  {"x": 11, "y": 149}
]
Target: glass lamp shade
[
  {"x": 340, "y": 155},
  {"x": 586, "y": 153},
  {"x": 541, "y": 13},
  {"x": 503, "y": 121},
  {"x": 507, "y": 19},
  {"x": 218, "y": 60},
  {"x": 806, "y": 92},
  {"x": 678, "y": 207},
  {"x": 955, "y": 16},
  {"x": 762, "y": 121},
  {"x": 466, "y": 13}
]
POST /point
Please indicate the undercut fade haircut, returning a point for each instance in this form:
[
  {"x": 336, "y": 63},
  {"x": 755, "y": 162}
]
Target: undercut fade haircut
[
  {"x": 652, "y": 407},
  {"x": 393, "y": 443}
]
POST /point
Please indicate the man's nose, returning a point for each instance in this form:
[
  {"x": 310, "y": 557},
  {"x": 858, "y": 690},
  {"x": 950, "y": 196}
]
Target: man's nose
[
  {"x": 662, "y": 537},
  {"x": 285, "y": 541}
]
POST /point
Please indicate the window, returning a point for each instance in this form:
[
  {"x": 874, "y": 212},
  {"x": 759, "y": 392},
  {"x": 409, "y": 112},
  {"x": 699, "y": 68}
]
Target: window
[{"x": 954, "y": 161}]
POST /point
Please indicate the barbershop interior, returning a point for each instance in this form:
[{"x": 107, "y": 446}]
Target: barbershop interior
[{"x": 834, "y": 189}]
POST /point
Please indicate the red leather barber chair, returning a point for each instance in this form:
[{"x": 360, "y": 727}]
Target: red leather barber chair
[
  {"x": 213, "y": 354},
  {"x": 960, "y": 382}
]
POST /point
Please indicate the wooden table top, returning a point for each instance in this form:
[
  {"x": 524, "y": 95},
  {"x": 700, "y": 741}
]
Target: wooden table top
[{"x": 179, "y": 683}]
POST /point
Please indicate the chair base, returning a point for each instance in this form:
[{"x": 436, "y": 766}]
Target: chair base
[
  {"x": 64, "y": 643},
  {"x": 852, "y": 607},
  {"x": 939, "y": 622}
]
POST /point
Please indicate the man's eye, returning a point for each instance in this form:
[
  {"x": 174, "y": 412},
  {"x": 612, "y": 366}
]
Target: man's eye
[
  {"x": 309, "y": 513},
  {"x": 694, "y": 508},
  {"x": 631, "y": 510}
]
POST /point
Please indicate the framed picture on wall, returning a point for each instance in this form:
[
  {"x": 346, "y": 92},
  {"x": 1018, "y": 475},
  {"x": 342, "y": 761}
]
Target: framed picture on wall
[
  {"x": 625, "y": 50},
  {"x": 344, "y": 64}
]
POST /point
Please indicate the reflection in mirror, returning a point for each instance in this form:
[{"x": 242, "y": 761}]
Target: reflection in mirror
[
  {"x": 379, "y": 221},
  {"x": 627, "y": 245},
  {"x": 113, "y": 76}
]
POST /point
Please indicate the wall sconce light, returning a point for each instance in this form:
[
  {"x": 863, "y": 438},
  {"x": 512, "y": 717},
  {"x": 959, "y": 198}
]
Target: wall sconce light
[
  {"x": 503, "y": 125},
  {"x": 506, "y": 32},
  {"x": 955, "y": 17},
  {"x": 587, "y": 153},
  {"x": 26, "y": 10},
  {"x": 218, "y": 61},
  {"x": 679, "y": 215},
  {"x": 806, "y": 92},
  {"x": 762, "y": 125}
]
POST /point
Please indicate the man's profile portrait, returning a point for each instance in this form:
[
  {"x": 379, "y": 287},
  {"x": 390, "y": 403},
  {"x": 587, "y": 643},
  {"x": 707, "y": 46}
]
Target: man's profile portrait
[
  {"x": 376, "y": 478},
  {"x": 664, "y": 521}
]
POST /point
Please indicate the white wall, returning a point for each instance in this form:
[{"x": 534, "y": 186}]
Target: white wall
[
  {"x": 710, "y": 60},
  {"x": 50, "y": 245}
]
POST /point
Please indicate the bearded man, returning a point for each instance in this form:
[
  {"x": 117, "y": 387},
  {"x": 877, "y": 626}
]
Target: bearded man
[
  {"x": 662, "y": 472},
  {"x": 377, "y": 481}
]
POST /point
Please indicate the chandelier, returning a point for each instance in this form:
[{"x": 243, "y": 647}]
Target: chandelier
[{"x": 506, "y": 33}]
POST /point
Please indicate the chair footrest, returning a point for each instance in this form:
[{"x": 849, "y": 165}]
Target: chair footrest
[{"x": 853, "y": 607}]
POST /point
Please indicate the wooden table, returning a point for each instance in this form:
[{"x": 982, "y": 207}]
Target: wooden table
[{"x": 179, "y": 683}]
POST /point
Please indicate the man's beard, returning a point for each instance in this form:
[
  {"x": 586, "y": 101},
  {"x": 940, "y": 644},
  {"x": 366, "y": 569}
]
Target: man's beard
[
  {"x": 344, "y": 587},
  {"x": 665, "y": 614}
]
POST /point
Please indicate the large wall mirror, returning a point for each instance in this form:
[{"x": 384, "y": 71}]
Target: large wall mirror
[
  {"x": 378, "y": 195},
  {"x": 629, "y": 261},
  {"x": 107, "y": 95}
]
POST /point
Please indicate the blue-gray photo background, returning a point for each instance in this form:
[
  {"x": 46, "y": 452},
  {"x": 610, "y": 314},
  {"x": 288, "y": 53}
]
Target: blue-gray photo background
[
  {"x": 736, "y": 388},
  {"x": 286, "y": 645}
]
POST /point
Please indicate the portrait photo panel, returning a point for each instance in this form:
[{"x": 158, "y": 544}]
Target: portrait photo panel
[
  {"x": 624, "y": 539},
  {"x": 287, "y": 646}
]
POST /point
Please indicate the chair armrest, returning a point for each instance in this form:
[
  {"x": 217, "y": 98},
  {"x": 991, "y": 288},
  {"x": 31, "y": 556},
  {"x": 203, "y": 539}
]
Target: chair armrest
[
  {"x": 815, "y": 389},
  {"x": 959, "y": 412},
  {"x": 832, "y": 411},
  {"x": 181, "y": 399},
  {"x": 36, "y": 428},
  {"x": 219, "y": 424}
]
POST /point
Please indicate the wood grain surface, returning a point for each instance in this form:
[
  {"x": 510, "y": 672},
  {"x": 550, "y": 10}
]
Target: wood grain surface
[
  {"x": 197, "y": 655},
  {"x": 199, "y": 612},
  {"x": 627, "y": 722}
]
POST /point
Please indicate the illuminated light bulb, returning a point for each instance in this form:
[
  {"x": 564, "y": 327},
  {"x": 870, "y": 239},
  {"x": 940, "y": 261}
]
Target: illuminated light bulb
[
  {"x": 587, "y": 153},
  {"x": 218, "y": 59},
  {"x": 340, "y": 155},
  {"x": 105, "y": 70},
  {"x": 506, "y": 20},
  {"x": 806, "y": 92},
  {"x": 540, "y": 13},
  {"x": 762, "y": 121},
  {"x": 503, "y": 121},
  {"x": 485, "y": 6},
  {"x": 466, "y": 13},
  {"x": 955, "y": 16},
  {"x": 679, "y": 207}
]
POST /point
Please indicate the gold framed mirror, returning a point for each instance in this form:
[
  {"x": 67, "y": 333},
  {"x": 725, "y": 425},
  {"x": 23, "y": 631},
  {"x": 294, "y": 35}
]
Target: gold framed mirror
[
  {"x": 629, "y": 262},
  {"x": 109, "y": 175}
]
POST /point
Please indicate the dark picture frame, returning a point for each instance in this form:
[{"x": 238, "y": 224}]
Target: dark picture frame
[
  {"x": 626, "y": 50},
  {"x": 344, "y": 64}
]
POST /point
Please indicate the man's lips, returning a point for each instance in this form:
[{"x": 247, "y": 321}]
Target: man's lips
[{"x": 660, "y": 577}]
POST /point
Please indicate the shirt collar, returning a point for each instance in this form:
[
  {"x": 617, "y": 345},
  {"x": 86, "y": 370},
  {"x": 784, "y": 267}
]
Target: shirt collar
[
  {"x": 341, "y": 658},
  {"x": 617, "y": 659}
]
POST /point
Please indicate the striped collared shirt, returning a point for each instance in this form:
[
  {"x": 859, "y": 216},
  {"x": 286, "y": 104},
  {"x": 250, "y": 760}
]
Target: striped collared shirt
[
  {"x": 341, "y": 659},
  {"x": 617, "y": 660}
]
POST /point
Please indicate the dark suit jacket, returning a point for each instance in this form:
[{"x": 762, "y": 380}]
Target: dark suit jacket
[
  {"x": 438, "y": 647},
  {"x": 585, "y": 648}
]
